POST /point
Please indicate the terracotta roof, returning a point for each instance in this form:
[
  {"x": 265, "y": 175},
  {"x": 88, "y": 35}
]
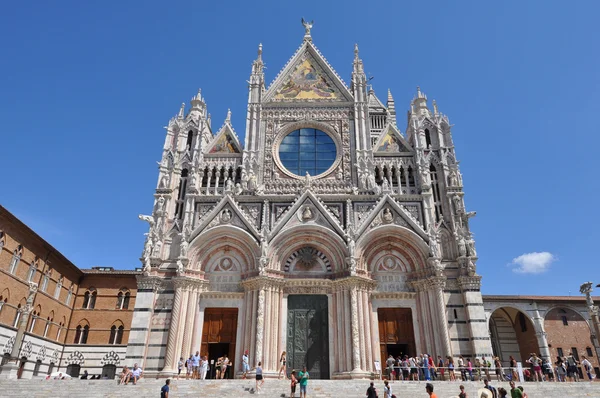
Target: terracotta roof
[{"x": 112, "y": 272}]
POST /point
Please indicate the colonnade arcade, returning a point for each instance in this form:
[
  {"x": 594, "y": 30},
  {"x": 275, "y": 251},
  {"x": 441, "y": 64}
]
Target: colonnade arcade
[{"x": 387, "y": 268}]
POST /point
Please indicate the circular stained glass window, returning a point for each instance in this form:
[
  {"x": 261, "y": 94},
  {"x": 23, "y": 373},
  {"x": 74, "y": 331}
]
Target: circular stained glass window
[{"x": 308, "y": 150}]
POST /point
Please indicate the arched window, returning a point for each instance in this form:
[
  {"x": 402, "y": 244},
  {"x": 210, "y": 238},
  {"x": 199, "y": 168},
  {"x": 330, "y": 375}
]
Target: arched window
[
  {"x": 45, "y": 280},
  {"x": 69, "y": 295},
  {"x": 4, "y": 299},
  {"x": 32, "y": 270},
  {"x": 116, "y": 333},
  {"x": 1, "y": 241},
  {"x": 34, "y": 316},
  {"x": 123, "y": 299},
  {"x": 14, "y": 262},
  {"x": 563, "y": 317},
  {"x": 113, "y": 334},
  {"x": 411, "y": 177},
  {"x": 119, "y": 338},
  {"x": 61, "y": 325},
  {"x": 427, "y": 138},
  {"x": 17, "y": 316},
  {"x": 181, "y": 194},
  {"x": 190, "y": 139},
  {"x": 58, "y": 288},
  {"x": 81, "y": 333},
  {"x": 435, "y": 186},
  {"x": 89, "y": 299}
]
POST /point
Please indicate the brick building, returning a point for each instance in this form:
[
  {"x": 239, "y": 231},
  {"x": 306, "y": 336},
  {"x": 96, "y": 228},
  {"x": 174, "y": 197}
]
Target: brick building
[{"x": 71, "y": 307}]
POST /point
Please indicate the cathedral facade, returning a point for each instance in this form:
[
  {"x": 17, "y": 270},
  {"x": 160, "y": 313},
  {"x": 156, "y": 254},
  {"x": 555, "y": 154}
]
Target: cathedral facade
[{"x": 330, "y": 233}]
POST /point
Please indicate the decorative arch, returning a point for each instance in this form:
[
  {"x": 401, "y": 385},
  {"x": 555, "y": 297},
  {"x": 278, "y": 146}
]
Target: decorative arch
[
  {"x": 116, "y": 332},
  {"x": 449, "y": 251},
  {"x": 89, "y": 298},
  {"x": 223, "y": 241},
  {"x": 392, "y": 242},
  {"x": 76, "y": 358},
  {"x": 16, "y": 258},
  {"x": 512, "y": 333},
  {"x": 327, "y": 247},
  {"x": 81, "y": 332},
  {"x": 123, "y": 298}
]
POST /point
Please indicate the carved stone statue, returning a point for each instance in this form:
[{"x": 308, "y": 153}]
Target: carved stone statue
[
  {"x": 436, "y": 266},
  {"x": 251, "y": 181},
  {"x": 226, "y": 216},
  {"x": 470, "y": 267},
  {"x": 262, "y": 266},
  {"x": 183, "y": 247},
  {"x": 263, "y": 246},
  {"x": 386, "y": 185},
  {"x": 229, "y": 185},
  {"x": 307, "y": 213},
  {"x": 434, "y": 245},
  {"x": 164, "y": 182},
  {"x": 351, "y": 261},
  {"x": 156, "y": 248},
  {"x": 340, "y": 174},
  {"x": 147, "y": 266},
  {"x": 462, "y": 247},
  {"x": 147, "y": 248},
  {"x": 453, "y": 179},
  {"x": 180, "y": 268},
  {"x": 586, "y": 289},
  {"x": 238, "y": 189},
  {"x": 307, "y": 26},
  {"x": 307, "y": 181},
  {"x": 471, "y": 247},
  {"x": 351, "y": 247},
  {"x": 457, "y": 204},
  {"x": 387, "y": 215},
  {"x": 148, "y": 219},
  {"x": 371, "y": 184}
]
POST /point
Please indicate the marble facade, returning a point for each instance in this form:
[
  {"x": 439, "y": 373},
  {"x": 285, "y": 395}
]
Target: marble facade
[{"x": 382, "y": 225}]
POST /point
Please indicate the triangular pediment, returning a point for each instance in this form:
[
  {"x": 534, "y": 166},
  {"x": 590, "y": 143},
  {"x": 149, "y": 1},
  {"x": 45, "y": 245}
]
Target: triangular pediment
[
  {"x": 388, "y": 211},
  {"x": 226, "y": 213},
  {"x": 307, "y": 77},
  {"x": 307, "y": 210},
  {"x": 391, "y": 141},
  {"x": 374, "y": 102},
  {"x": 225, "y": 142}
]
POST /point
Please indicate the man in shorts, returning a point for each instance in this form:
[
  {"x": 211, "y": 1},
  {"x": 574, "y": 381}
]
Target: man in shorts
[
  {"x": 196, "y": 365},
  {"x": 303, "y": 376},
  {"x": 245, "y": 366}
]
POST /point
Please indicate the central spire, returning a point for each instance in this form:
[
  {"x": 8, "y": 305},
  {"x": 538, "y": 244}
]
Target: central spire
[{"x": 307, "y": 27}]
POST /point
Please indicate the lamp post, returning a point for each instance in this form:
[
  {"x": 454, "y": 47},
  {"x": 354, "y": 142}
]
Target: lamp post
[{"x": 586, "y": 289}]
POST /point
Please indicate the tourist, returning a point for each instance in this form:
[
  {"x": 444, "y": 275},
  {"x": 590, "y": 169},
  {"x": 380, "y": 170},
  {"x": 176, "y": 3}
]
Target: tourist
[
  {"x": 371, "y": 391},
  {"x": 451, "y": 369},
  {"x": 470, "y": 369},
  {"x": 179, "y": 367},
  {"x": 536, "y": 362},
  {"x": 587, "y": 366},
  {"x": 461, "y": 367},
  {"x": 405, "y": 368},
  {"x": 478, "y": 369},
  {"x": 462, "y": 393},
  {"x": 387, "y": 389},
  {"x": 293, "y": 382},
  {"x": 429, "y": 389},
  {"x": 124, "y": 375},
  {"x": 513, "y": 368},
  {"x": 196, "y": 365},
  {"x": 514, "y": 391},
  {"x": 548, "y": 371},
  {"x": 488, "y": 386},
  {"x": 303, "y": 376},
  {"x": 259, "y": 378},
  {"x": 203, "y": 367},
  {"x": 164, "y": 391},
  {"x": 135, "y": 374},
  {"x": 189, "y": 367},
  {"x": 398, "y": 368},
  {"x": 389, "y": 365},
  {"x": 486, "y": 367},
  {"x": 84, "y": 376},
  {"x": 502, "y": 393},
  {"x": 218, "y": 367},
  {"x": 432, "y": 368},
  {"x": 245, "y": 366},
  {"x": 441, "y": 366},
  {"x": 572, "y": 372},
  {"x": 282, "y": 365},
  {"x": 498, "y": 369},
  {"x": 425, "y": 367},
  {"x": 414, "y": 371},
  {"x": 561, "y": 371},
  {"x": 224, "y": 365},
  {"x": 522, "y": 392}
]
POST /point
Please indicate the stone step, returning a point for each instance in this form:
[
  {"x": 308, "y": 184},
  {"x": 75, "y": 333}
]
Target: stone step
[{"x": 272, "y": 388}]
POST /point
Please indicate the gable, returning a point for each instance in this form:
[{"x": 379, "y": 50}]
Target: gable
[
  {"x": 225, "y": 142},
  {"x": 391, "y": 142},
  {"x": 226, "y": 213},
  {"x": 307, "y": 77},
  {"x": 307, "y": 210}
]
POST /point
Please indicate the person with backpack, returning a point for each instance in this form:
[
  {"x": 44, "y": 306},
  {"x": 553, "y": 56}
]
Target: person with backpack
[
  {"x": 572, "y": 372},
  {"x": 372, "y": 391},
  {"x": 164, "y": 391}
]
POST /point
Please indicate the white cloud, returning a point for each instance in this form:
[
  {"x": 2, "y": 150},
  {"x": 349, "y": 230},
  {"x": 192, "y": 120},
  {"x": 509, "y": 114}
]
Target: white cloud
[{"x": 533, "y": 263}]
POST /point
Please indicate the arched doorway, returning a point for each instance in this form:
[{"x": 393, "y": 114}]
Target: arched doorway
[{"x": 512, "y": 334}]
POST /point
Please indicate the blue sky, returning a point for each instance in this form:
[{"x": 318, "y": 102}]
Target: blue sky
[{"x": 86, "y": 88}]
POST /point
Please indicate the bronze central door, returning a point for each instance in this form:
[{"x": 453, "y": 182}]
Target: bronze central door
[{"x": 308, "y": 335}]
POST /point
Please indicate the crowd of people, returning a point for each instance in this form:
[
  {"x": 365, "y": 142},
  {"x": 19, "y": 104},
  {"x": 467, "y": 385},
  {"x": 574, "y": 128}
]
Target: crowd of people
[
  {"x": 487, "y": 391},
  {"x": 424, "y": 368}
]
